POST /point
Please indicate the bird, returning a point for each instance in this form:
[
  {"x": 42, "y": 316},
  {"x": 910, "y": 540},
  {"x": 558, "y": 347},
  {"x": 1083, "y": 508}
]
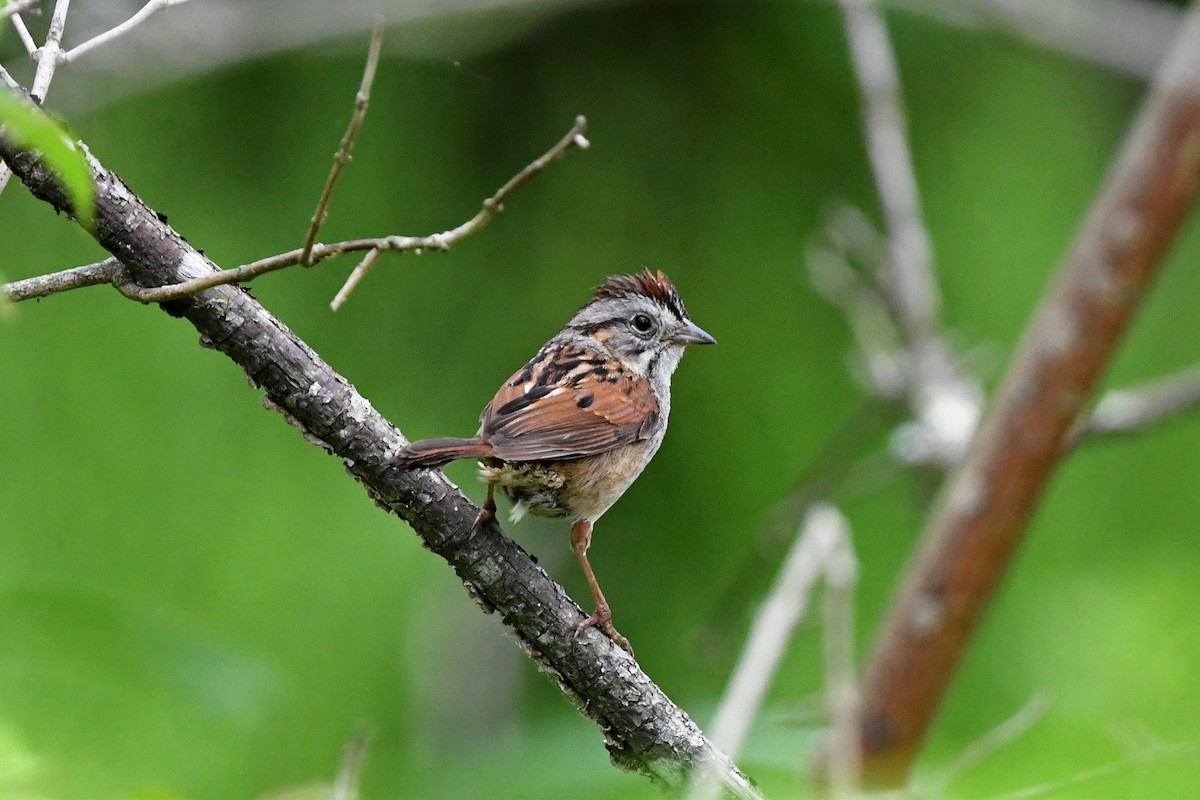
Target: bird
[{"x": 570, "y": 431}]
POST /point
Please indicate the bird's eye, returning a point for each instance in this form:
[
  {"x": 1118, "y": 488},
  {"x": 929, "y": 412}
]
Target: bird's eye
[{"x": 642, "y": 324}]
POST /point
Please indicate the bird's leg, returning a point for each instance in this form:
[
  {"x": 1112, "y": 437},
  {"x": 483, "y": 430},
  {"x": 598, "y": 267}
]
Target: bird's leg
[
  {"x": 581, "y": 539},
  {"x": 488, "y": 512}
]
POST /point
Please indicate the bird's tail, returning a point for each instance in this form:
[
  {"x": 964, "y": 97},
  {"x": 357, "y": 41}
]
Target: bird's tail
[{"x": 435, "y": 453}]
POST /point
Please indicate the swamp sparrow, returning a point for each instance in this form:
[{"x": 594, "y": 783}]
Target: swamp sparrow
[{"x": 570, "y": 431}]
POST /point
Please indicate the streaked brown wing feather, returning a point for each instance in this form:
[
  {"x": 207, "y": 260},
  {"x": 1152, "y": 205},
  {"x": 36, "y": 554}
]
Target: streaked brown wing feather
[{"x": 537, "y": 415}]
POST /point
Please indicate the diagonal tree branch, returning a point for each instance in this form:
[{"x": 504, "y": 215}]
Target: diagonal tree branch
[
  {"x": 989, "y": 499},
  {"x": 644, "y": 731}
]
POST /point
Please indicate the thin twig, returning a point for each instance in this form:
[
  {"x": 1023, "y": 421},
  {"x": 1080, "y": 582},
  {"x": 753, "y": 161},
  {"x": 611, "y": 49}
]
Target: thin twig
[
  {"x": 847, "y": 465},
  {"x": 146, "y": 11},
  {"x": 78, "y": 277},
  {"x": 13, "y": 8},
  {"x": 342, "y": 157},
  {"x": 1095, "y": 773},
  {"x": 1003, "y": 734},
  {"x": 64, "y": 281},
  {"x": 782, "y": 610},
  {"x": 1125, "y": 411},
  {"x": 909, "y": 272},
  {"x": 24, "y": 35},
  {"x": 945, "y": 404},
  {"x": 574, "y": 139},
  {"x": 16, "y": 7},
  {"x": 847, "y": 238},
  {"x": 824, "y": 527},
  {"x": 49, "y": 284},
  {"x": 841, "y": 684},
  {"x": 248, "y": 272},
  {"x": 8, "y": 80},
  {"x": 48, "y": 55},
  {"x": 1126, "y": 35},
  {"x": 350, "y": 771},
  {"x": 361, "y": 271},
  {"x": 492, "y": 206},
  {"x": 985, "y": 507}
]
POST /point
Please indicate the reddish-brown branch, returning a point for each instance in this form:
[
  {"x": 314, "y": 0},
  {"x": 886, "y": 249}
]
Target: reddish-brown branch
[{"x": 989, "y": 499}]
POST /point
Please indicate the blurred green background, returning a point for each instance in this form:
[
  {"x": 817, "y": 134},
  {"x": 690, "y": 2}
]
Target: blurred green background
[{"x": 195, "y": 603}]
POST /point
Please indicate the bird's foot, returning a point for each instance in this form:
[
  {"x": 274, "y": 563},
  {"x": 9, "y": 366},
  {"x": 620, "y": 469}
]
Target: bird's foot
[
  {"x": 484, "y": 516},
  {"x": 488, "y": 512},
  {"x": 602, "y": 619}
]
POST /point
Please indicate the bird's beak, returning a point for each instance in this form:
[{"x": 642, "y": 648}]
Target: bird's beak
[{"x": 691, "y": 333}]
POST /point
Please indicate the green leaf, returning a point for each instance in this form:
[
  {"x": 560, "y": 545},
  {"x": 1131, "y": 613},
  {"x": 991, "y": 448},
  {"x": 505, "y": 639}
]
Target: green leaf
[{"x": 34, "y": 128}]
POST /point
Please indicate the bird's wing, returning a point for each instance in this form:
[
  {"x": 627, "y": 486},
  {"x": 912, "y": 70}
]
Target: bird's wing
[{"x": 568, "y": 402}]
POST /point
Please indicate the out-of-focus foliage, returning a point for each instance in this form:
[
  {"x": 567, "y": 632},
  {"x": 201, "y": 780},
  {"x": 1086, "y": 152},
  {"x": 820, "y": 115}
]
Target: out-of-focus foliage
[
  {"x": 25, "y": 123},
  {"x": 195, "y": 603}
]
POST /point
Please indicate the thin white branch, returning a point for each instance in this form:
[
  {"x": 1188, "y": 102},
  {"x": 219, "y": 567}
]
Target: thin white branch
[
  {"x": 1095, "y": 773},
  {"x": 51, "y": 55},
  {"x": 1126, "y": 35},
  {"x": 909, "y": 273},
  {"x": 48, "y": 55},
  {"x": 782, "y": 611},
  {"x": 350, "y": 771},
  {"x": 16, "y": 7},
  {"x": 841, "y": 682},
  {"x": 1006, "y": 732},
  {"x": 823, "y": 530},
  {"x": 945, "y": 401},
  {"x": 846, "y": 239},
  {"x": 24, "y": 35},
  {"x": 146, "y": 11},
  {"x": 1130, "y": 410},
  {"x": 946, "y": 405},
  {"x": 364, "y": 267},
  {"x": 8, "y": 80},
  {"x": 47, "y": 61}
]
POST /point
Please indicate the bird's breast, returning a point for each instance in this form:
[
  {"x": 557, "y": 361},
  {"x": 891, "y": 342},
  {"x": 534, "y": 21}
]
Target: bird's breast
[{"x": 582, "y": 488}]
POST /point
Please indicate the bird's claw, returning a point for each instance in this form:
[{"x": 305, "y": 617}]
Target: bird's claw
[
  {"x": 602, "y": 619},
  {"x": 484, "y": 516}
]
